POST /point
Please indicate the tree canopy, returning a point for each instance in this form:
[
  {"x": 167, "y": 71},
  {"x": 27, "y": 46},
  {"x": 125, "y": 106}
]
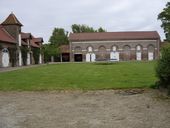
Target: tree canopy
[
  {"x": 59, "y": 37},
  {"x": 164, "y": 16},
  {"x": 77, "y": 28}
]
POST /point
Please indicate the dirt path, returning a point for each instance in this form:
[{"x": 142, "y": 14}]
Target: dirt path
[
  {"x": 99, "y": 109},
  {"x": 8, "y": 69}
]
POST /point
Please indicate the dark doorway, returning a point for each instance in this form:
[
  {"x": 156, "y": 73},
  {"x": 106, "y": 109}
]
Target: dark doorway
[
  {"x": 78, "y": 57},
  {"x": 65, "y": 57}
]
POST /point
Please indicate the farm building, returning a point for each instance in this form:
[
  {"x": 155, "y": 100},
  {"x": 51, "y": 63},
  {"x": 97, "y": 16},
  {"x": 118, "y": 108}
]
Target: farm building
[
  {"x": 16, "y": 47},
  {"x": 114, "y": 46}
]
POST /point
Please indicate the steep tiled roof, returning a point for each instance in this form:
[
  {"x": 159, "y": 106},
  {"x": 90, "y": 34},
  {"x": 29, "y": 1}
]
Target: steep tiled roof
[
  {"x": 12, "y": 20},
  {"x": 135, "y": 35},
  {"x": 26, "y": 35},
  {"x": 36, "y": 42},
  {"x": 5, "y": 36}
]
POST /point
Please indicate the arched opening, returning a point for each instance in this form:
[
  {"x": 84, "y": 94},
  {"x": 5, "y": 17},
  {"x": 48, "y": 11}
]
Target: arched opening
[
  {"x": 139, "y": 52},
  {"x": 102, "y": 54},
  {"x": 5, "y": 57},
  {"x": 78, "y": 56},
  {"x": 114, "y": 54},
  {"x": 90, "y": 56},
  {"x": 126, "y": 53},
  {"x": 151, "y": 51}
]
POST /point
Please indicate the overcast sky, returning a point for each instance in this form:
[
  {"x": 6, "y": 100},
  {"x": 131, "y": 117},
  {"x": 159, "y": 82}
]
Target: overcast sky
[{"x": 41, "y": 16}]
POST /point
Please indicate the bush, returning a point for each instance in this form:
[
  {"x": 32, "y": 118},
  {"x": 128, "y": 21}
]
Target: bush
[{"x": 163, "y": 67}]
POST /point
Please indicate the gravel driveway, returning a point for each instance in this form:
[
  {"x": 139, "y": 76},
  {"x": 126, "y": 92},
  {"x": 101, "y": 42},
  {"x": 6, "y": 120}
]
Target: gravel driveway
[{"x": 78, "y": 109}]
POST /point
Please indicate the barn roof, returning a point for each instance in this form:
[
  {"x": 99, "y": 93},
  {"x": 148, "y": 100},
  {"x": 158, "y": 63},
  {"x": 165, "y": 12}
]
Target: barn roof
[
  {"x": 26, "y": 35},
  {"x": 36, "y": 42},
  {"x": 133, "y": 35},
  {"x": 5, "y": 36}
]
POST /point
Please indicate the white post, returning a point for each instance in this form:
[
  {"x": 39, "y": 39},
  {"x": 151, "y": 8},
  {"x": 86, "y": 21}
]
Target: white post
[
  {"x": 20, "y": 58},
  {"x": 28, "y": 58},
  {"x": 19, "y": 50},
  {"x": 19, "y": 39},
  {"x": 40, "y": 59}
]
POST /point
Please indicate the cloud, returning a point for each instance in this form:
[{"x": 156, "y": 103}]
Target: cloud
[{"x": 41, "y": 16}]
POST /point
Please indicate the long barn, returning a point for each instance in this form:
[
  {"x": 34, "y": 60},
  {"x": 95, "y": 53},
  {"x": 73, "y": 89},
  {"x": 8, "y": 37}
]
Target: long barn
[{"x": 114, "y": 46}]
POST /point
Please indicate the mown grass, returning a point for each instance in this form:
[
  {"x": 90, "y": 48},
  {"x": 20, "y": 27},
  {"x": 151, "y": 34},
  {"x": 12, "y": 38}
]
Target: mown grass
[{"x": 84, "y": 76}]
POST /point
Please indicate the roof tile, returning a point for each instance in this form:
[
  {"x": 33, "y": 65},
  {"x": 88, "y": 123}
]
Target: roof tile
[{"x": 135, "y": 35}]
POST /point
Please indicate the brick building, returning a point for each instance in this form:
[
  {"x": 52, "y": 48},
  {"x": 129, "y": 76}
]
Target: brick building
[
  {"x": 16, "y": 47},
  {"x": 111, "y": 46}
]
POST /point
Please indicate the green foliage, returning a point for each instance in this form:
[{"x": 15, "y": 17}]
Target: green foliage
[
  {"x": 49, "y": 50},
  {"x": 13, "y": 54},
  {"x": 36, "y": 53},
  {"x": 59, "y": 37},
  {"x": 101, "y": 30},
  {"x": 85, "y": 76},
  {"x": 164, "y": 16},
  {"x": 163, "y": 67},
  {"x": 77, "y": 28},
  {"x": 24, "y": 51}
]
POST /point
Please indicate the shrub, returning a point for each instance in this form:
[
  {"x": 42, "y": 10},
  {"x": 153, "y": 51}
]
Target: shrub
[{"x": 163, "y": 67}]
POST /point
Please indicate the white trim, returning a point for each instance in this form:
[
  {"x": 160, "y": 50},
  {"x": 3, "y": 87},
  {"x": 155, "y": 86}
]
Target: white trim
[
  {"x": 20, "y": 58},
  {"x": 112, "y": 41},
  {"x": 19, "y": 39}
]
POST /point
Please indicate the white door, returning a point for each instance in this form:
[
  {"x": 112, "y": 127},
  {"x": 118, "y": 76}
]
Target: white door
[
  {"x": 114, "y": 56},
  {"x": 150, "y": 56},
  {"x": 138, "y": 56},
  {"x": 88, "y": 57},
  {"x": 93, "y": 57},
  {"x": 5, "y": 58}
]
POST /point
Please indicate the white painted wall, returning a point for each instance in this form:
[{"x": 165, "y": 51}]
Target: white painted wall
[
  {"x": 88, "y": 57},
  {"x": 93, "y": 57},
  {"x": 114, "y": 55},
  {"x": 138, "y": 56},
  {"x": 150, "y": 56}
]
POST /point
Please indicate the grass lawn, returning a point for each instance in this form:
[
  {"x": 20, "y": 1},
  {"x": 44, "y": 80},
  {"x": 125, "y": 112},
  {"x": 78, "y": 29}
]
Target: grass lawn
[{"x": 86, "y": 76}]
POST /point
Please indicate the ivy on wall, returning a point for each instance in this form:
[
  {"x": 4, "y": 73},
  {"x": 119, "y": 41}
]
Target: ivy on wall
[
  {"x": 13, "y": 56},
  {"x": 24, "y": 51},
  {"x": 36, "y": 53}
]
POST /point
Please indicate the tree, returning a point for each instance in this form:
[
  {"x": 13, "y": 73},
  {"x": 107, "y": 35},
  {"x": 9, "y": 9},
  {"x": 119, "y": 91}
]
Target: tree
[
  {"x": 163, "y": 67},
  {"x": 49, "y": 50},
  {"x": 164, "y": 16},
  {"x": 101, "y": 30},
  {"x": 77, "y": 28},
  {"x": 59, "y": 37}
]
